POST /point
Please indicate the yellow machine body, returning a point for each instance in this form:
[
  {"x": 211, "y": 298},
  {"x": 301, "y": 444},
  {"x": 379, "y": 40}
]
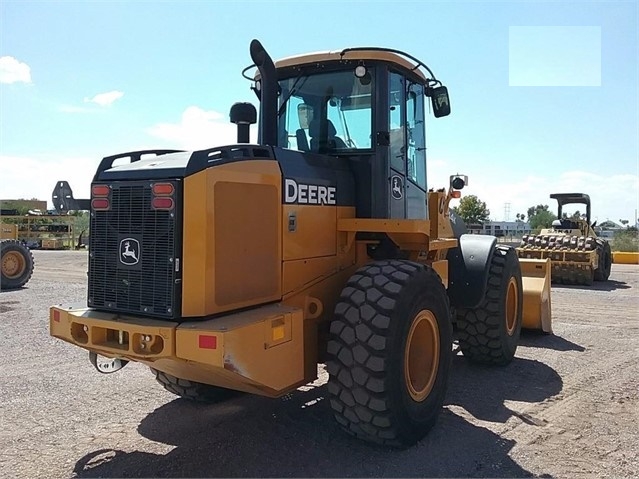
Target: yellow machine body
[
  {"x": 16, "y": 260},
  {"x": 537, "y": 311},
  {"x": 8, "y": 231},
  {"x": 260, "y": 276},
  {"x": 274, "y": 348}
]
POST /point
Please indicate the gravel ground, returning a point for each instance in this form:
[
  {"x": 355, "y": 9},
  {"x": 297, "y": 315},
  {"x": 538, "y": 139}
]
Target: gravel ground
[{"x": 568, "y": 406}]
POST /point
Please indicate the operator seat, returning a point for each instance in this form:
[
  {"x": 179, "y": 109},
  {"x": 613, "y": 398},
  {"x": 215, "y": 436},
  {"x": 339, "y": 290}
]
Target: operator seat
[
  {"x": 330, "y": 143},
  {"x": 302, "y": 141},
  {"x": 565, "y": 223}
]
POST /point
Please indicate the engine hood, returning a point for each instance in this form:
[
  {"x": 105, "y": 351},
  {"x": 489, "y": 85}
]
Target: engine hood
[{"x": 177, "y": 164}]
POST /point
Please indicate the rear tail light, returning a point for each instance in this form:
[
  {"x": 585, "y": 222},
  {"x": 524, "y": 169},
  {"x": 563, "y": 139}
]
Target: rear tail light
[
  {"x": 100, "y": 191},
  {"x": 100, "y": 204},
  {"x": 163, "y": 189},
  {"x": 162, "y": 203},
  {"x": 162, "y": 196},
  {"x": 100, "y": 197}
]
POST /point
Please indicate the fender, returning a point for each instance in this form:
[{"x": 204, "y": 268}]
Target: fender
[
  {"x": 468, "y": 269},
  {"x": 458, "y": 225}
]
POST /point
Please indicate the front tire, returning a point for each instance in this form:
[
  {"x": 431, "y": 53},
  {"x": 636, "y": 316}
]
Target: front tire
[
  {"x": 390, "y": 352},
  {"x": 489, "y": 333}
]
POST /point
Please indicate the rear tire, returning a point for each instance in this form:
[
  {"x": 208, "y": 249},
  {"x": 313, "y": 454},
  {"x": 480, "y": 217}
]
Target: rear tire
[
  {"x": 192, "y": 390},
  {"x": 389, "y": 352},
  {"x": 489, "y": 333},
  {"x": 16, "y": 264},
  {"x": 602, "y": 273}
]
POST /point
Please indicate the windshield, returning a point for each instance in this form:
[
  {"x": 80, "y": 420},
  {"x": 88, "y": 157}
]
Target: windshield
[{"x": 326, "y": 112}]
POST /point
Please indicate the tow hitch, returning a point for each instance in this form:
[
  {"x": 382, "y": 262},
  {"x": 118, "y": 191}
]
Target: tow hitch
[{"x": 106, "y": 365}]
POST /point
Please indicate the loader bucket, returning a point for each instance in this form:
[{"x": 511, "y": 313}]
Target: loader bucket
[{"x": 535, "y": 275}]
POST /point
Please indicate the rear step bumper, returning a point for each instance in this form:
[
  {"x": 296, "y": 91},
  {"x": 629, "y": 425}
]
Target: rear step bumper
[{"x": 259, "y": 351}]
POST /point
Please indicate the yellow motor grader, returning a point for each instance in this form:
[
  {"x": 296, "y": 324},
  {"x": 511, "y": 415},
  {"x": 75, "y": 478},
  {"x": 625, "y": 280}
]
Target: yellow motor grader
[
  {"x": 243, "y": 267},
  {"x": 577, "y": 255}
]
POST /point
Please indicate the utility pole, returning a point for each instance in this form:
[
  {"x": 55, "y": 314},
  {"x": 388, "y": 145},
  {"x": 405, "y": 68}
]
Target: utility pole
[{"x": 506, "y": 211}]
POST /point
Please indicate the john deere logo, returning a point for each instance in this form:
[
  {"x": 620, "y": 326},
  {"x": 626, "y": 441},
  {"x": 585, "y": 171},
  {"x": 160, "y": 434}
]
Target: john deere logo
[
  {"x": 129, "y": 251},
  {"x": 397, "y": 187}
]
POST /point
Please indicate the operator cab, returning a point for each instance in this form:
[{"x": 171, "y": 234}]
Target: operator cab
[
  {"x": 566, "y": 224},
  {"x": 363, "y": 106}
]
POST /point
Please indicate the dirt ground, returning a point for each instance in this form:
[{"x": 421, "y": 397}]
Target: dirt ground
[{"x": 568, "y": 406}]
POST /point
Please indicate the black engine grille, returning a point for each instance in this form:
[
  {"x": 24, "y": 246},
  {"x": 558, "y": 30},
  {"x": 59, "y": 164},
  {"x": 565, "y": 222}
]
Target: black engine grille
[{"x": 149, "y": 286}]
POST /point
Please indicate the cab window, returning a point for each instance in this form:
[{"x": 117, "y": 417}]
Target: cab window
[
  {"x": 326, "y": 112},
  {"x": 415, "y": 135},
  {"x": 396, "y": 122}
]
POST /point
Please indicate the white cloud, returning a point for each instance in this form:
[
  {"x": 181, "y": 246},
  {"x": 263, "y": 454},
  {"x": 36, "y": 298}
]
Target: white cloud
[
  {"x": 199, "y": 129},
  {"x": 35, "y": 177},
  {"x": 612, "y": 196},
  {"x": 14, "y": 71},
  {"x": 105, "y": 99}
]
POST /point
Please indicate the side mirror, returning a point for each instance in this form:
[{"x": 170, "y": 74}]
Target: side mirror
[{"x": 440, "y": 101}]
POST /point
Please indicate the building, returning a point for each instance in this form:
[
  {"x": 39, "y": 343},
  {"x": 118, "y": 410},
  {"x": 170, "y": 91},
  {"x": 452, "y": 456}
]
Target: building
[{"x": 501, "y": 228}]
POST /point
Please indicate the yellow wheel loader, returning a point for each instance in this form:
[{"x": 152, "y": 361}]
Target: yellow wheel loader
[
  {"x": 243, "y": 267},
  {"x": 16, "y": 259},
  {"x": 577, "y": 255}
]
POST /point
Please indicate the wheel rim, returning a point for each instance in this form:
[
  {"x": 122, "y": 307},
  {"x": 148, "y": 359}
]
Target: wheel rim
[
  {"x": 511, "y": 306},
  {"x": 13, "y": 264},
  {"x": 421, "y": 357}
]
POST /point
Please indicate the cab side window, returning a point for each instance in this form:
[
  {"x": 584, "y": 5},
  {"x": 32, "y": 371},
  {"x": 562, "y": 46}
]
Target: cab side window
[
  {"x": 396, "y": 120},
  {"x": 415, "y": 135}
]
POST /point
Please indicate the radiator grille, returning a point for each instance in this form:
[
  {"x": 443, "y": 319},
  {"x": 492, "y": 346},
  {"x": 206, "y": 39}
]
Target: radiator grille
[{"x": 134, "y": 254}]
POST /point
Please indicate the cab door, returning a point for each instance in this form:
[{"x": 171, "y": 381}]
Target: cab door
[
  {"x": 397, "y": 145},
  {"x": 407, "y": 148}
]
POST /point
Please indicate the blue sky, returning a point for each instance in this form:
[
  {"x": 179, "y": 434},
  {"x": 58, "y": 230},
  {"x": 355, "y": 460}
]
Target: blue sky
[{"x": 544, "y": 94}]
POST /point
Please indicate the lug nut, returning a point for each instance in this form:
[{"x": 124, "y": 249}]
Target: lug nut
[{"x": 147, "y": 338}]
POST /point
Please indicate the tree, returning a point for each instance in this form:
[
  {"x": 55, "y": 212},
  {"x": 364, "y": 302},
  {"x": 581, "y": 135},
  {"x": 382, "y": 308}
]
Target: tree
[
  {"x": 540, "y": 217},
  {"x": 520, "y": 217},
  {"x": 607, "y": 224},
  {"x": 81, "y": 221},
  {"x": 624, "y": 222},
  {"x": 472, "y": 210}
]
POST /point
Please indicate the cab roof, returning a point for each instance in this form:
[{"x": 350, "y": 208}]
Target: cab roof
[
  {"x": 354, "y": 54},
  {"x": 569, "y": 198}
]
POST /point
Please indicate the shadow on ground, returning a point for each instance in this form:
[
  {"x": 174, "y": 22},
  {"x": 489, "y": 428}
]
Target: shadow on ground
[
  {"x": 610, "y": 285},
  {"x": 483, "y": 390},
  {"x": 537, "y": 339},
  {"x": 8, "y": 306},
  {"x": 296, "y": 436}
]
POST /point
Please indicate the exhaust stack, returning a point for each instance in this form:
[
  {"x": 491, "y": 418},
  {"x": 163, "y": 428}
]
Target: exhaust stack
[{"x": 268, "y": 99}]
